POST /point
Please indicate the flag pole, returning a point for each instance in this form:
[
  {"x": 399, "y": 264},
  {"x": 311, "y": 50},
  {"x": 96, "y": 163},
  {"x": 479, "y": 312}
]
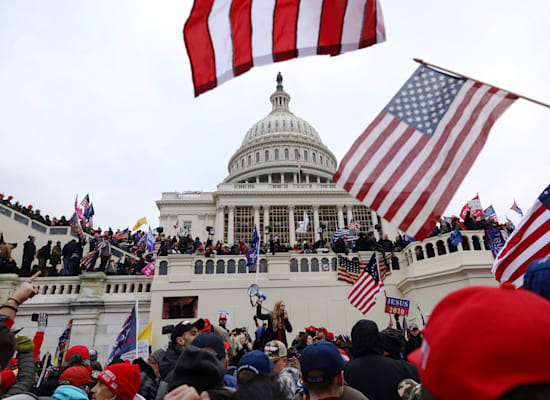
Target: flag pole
[{"x": 418, "y": 60}]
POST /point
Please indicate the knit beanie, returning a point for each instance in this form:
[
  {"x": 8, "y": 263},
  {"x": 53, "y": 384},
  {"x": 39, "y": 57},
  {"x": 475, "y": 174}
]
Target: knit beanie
[
  {"x": 123, "y": 379},
  {"x": 7, "y": 378},
  {"x": 82, "y": 350},
  {"x": 69, "y": 392},
  {"x": 198, "y": 368}
]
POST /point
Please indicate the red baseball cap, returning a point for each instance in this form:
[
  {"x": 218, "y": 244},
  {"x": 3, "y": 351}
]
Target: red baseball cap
[
  {"x": 77, "y": 375},
  {"x": 207, "y": 325},
  {"x": 322, "y": 329},
  {"x": 82, "y": 350},
  {"x": 481, "y": 342}
]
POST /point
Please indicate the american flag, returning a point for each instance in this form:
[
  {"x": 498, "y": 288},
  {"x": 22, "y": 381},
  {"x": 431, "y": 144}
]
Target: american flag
[
  {"x": 516, "y": 208},
  {"x": 349, "y": 270},
  {"x": 85, "y": 203},
  {"x": 529, "y": 242},
  {"x": 87, "y": 259},
  {"x": 354, "y": 225},
  {"x": 122, "y": 235},
  {"x": 345, "y": 234},
  {"x": 411, "y": 159},
  {"x": 366, "y": 288},
  {"x": 225, "y": 38},
  {"x": 64, "y": 338}
]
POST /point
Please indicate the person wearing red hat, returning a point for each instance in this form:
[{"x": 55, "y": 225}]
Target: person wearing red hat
[
  {"x": 117, "y": 381},
  {"x": 77, "y": 375},
  {"x": 321, "y": 333},
  {"x": 502, "y": 354}
]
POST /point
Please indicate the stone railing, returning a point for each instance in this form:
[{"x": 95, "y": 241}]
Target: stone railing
[
  {"x": 278, "y": 186},
  {"x": 93, "y": 285}
]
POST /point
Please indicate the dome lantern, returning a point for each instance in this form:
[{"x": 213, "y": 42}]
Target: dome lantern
[{"x": 280, "y": 98}]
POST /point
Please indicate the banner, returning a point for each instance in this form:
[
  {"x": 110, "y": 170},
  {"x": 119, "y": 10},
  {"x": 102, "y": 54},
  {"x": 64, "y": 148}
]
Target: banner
[
  {"x": 495, "y": 240},
  {"x": 149, "y": 269},
  {"x": 397, "y": 306}
]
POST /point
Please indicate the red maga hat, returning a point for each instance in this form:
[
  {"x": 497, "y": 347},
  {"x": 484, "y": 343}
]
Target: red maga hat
[{"x": 481, "y": 342}]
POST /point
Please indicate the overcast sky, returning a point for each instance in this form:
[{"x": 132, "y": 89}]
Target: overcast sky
[{"x": 96, "y": 97}]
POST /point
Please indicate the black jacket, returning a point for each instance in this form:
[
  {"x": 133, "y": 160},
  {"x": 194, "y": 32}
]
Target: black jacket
[
  {"x": 370, "y": 372},
  {"x": 29, "y": 249},
  {"x": 269, "y": 333},
  {"x": 168, "y": 362},
  {"x": 149, "y": 382}
]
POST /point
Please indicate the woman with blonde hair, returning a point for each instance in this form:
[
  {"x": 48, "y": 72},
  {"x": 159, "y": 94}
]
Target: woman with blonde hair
[{"x": 277, "y": 322}]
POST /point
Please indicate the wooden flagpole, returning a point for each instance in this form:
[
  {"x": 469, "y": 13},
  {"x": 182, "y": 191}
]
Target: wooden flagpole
[{"x": 418, "y": 60}]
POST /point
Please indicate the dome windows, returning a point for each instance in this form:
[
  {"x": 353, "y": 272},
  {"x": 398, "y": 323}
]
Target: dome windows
[
  {"x": 266, "y": 155},
  {"x": 242, "y": 163},
  {"x": 286, "y": 150},
  {"x": 313, "y": 157},
  {"x": 305, "y": 155},
  {"x": 258, "y": 157},
  {"x": 296, "y": 154},
  {"x": 276, "y": 154},
  {"x": 249, "y": 159}
]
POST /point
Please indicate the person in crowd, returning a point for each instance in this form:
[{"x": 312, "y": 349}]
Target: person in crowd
[
  {"x": 252, "y": 364},
  {"x": 286, "y": 376},
  {"x": 94, "y": 363},
  {"x": 322, "y": 371},
  {"x": 29, "y": 251},
  {"x": 118, "y": 382},
  {"x": 150, "y": 376},
  {"x": 370, "y": 372},
  {"x": 537, "y": 277},
  {"x": 213, "y": 342},
  {"x": 486, "y": 343},
  {"x": 277, "y": 322},
  {"x": 55, "y": 258},
  {"x": 321, "y": 333},
  {"x": 241, "y": 344},
  {"x": 414, "y": 341},
  {"x": 105, "y": 253},
  {"x": 182, "y": 335},
  {"x": 67, "y": 252},
  {"x": 7, "y": 263},
  {"x": 299, "y": 344},
  {"x": 94, "y": 242},
  {"x": 393, "y": 343},
  {"x": 222, "y": 322},
  {"x": 44, "y": 254}
]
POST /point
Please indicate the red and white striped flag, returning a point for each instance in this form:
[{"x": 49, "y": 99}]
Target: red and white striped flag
[
  {"x": 411, "y": 159},
  {"x": 367, "y": 287},
  {"x": 225, "y": 38},
  {"x": 529, "y": 242}
]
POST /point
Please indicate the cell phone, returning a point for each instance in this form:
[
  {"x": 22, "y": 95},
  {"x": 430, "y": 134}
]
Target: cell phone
[{"x": 34, "y": 317}]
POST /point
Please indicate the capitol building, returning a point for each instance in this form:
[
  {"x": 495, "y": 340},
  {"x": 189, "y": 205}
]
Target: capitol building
[{"x": 281, "y": 171}]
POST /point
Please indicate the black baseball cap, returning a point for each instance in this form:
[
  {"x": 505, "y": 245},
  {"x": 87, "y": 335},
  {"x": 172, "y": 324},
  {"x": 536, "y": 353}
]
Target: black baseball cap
[{"x": 184, "y": 326}]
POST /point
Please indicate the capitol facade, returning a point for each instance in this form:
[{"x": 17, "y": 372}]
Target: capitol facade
[{"x": 281, "y": 171}]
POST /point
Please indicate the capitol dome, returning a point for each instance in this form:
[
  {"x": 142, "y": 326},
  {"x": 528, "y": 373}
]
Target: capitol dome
[{"x": 276, "y": 146}]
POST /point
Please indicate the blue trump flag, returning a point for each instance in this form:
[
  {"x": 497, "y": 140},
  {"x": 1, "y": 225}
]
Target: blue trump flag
[
  {"x": 253, "y": 254},
  {"x": 126, "y": 341},
  {"x": 456, "y": 238},
  {"x": 150, "y": 240}
]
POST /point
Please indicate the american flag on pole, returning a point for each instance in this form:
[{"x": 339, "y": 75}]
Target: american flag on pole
[
  {"x": 529, "y": 242},
  {"x": 367, "y": 287},
  {"x": 349, "y": 270},
  {"x": 65, "y": 337},
  {"x": 85, "y": 203},
  {"x": 411, "y": 159},
  {"x": 516, "y": 208},
  {"x": 225, "y": 38},
  {"x": 354, "y": 225}
]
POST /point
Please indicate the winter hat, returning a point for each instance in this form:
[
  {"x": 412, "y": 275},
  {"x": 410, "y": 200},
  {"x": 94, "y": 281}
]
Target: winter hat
[
  {"x": 69, "y": 392},
  {"x": 537, "y": 277},
  {"x": 393, "y": 341},
  {"x": 77, "y": 375},
  {"x": 210, "y": 340},
  {"x": 198, "y": 368},
  {"x": 503, "y": 334},
  {"x": 7, "y": 378},
  {"x": 123, "y": 379},
  {"x": 82, "y": 350}
]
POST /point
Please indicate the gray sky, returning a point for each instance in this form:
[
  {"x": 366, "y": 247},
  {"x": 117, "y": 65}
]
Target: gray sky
[{"x": 97, "y": 97}]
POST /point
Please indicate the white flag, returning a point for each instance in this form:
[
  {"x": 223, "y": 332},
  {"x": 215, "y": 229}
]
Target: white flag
[{"x": 302, "y": 226}]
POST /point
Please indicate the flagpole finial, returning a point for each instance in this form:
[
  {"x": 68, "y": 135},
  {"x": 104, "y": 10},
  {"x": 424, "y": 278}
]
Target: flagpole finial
[{"x": 279, "y": 82}]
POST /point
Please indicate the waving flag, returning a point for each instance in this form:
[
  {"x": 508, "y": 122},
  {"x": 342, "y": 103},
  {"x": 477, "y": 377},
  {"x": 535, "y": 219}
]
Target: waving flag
[
  {"x": 354, "y": 225},
  {"x": 150, "y": 240},
  {"x": 529, "y": 242},
  {"x": 302, "y": 226},
  {"x": 141, "y": 221},
  {"x": 516, "y": 208},
  {"x": 75, "y": 225},
  {"x": 149, "y": 269},
  {"x": 490, "y": 213},
  {"x": 177, "y": 224},
  {"x": 253, "y": 253},
  {"x": 84, "y": 204},
  {"x": 78, "y": 211},
  {"x": 367, "y": 287},
  {"x": 345, "y": 234},
  {"x": 126, "y": 343},
  {"x": 225, "y": 38},
  {"x": 411, "y": 159},
  {"x": 65, "y": 337}
]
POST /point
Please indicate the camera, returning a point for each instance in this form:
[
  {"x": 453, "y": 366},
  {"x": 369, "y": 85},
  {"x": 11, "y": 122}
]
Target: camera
[
  {"x": 34, "y": 317},
  {"x": 167, "y": 329}
]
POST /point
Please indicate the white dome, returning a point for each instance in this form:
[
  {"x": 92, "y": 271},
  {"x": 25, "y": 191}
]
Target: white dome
[{"x": 278, "y": 142}]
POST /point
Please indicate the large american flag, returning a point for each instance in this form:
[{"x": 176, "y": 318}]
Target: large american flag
[
  {"x": 529, "y": 242},
  {"x": 225, "y": 38},
  {"x": 87, "y": 259},
  {"x": 366, "y": 288},
  {"x": 411, "y": 159}
]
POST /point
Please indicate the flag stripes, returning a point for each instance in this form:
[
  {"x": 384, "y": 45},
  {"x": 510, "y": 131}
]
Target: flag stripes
[
  {"x": 225, "y": 38},
  {"x": 408, "y": 174},
  {"x": 366, "y": 288},
  {"x": 529, "y": 242}
]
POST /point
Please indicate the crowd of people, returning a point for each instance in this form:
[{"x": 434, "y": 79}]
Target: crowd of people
[{"x": 469, "y": 349}]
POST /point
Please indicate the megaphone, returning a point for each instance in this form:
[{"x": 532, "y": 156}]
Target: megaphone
[{"x": 254, "y": 291}]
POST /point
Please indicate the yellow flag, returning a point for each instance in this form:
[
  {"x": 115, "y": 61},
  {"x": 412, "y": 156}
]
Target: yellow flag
[
  {"x": 145, "y": 334},
  {"x": 141, "y": 221}
]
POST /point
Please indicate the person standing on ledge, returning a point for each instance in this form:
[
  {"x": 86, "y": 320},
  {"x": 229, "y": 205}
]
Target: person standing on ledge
[{"x": 277, "y": 322}]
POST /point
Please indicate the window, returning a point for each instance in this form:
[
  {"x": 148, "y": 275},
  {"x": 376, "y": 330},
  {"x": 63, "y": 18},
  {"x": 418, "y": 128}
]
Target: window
[
  {"x": 362, "y": 214},
  {"x": 266, "y": 155},
  {"x": 180, "y": 307},
  {"x": 186, "y": 227},
  {"x": 286, "y": 154},
  {"x": 321, "y": 160},
  {"x": 328, "y": 215},
  {"x": 305, "y": 155},
  {"x": 244, "y": 224},
  {"x": 258, "y": 157},
  {"x": 299, "y": 216},
  {"x": 242, "y": 163},
  {"x": 296, "y": 154},
  {"x": 278, "y": 218},
  {"x": 249, "y": 160},
  {"x": 277, "y": 154},
  {"x": 313, "y": 157}
]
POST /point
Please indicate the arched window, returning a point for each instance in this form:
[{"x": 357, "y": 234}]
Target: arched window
[
  {"x": 293, "y": 265},
  {"x": 249, "y": 160},
  {"x": 276, "y": 154},
  {"x": 209, "y": 267},
  {"x": 198, "y": 267},
  {"x": 296, "y": 154},
  {"x": 313, "y": 157},
  {"x": 321, "y": 160},
  {"x": 286, "y": 154},
  {"x": 267, "y": 155},
  {"x": 258, "y": 157},
  {"x": 304, "y": 265},
  {"x": 314, "y": 265},
  {"x": 305, "y": 155},
  {"x": 242, "y": 163}
]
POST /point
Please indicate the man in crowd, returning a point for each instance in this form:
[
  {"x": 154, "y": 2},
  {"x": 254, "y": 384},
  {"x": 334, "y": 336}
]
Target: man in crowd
[
  {"x": 117, "y": 381},
  {"x": 222, "y": 322},
  {"x": 286, "y": 376},
  {"x": 321, "y": 333},
  {"x": 29, "y": 251},
  {"x": 415, "y": 340},
  {"x": 55, "y": 258},
  {"x": 384, "y": 373},
  {"x": 105, "y": 253},
  {"x": 44, "y": 254},
  {"x": 322, "y": 371}
]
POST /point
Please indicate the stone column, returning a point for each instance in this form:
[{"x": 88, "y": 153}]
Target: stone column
[
  {"x": 269, "y": 178},
  {"x": 350, "y": 214},
  {"x": 340, "y": 216},
  {"x": 231, "y": 226},
  {"x": 291, "y": 225},
  {"x": 266, "y": 221},
  {"x": 316, "y": 222},
  {"x": 318, "y": 179},
  {"x": 282, "y": 177},
  {"x": 295, "y": 175},
  {"x": 257, "y": 219},
  {"x": 307, "y": 178},
  {"x": 257, "y": 179},
  {"x": 219, "y": 223}
]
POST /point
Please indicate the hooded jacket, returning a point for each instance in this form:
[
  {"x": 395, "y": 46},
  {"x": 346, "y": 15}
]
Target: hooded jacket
[{"x": 370, "y": 372}]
